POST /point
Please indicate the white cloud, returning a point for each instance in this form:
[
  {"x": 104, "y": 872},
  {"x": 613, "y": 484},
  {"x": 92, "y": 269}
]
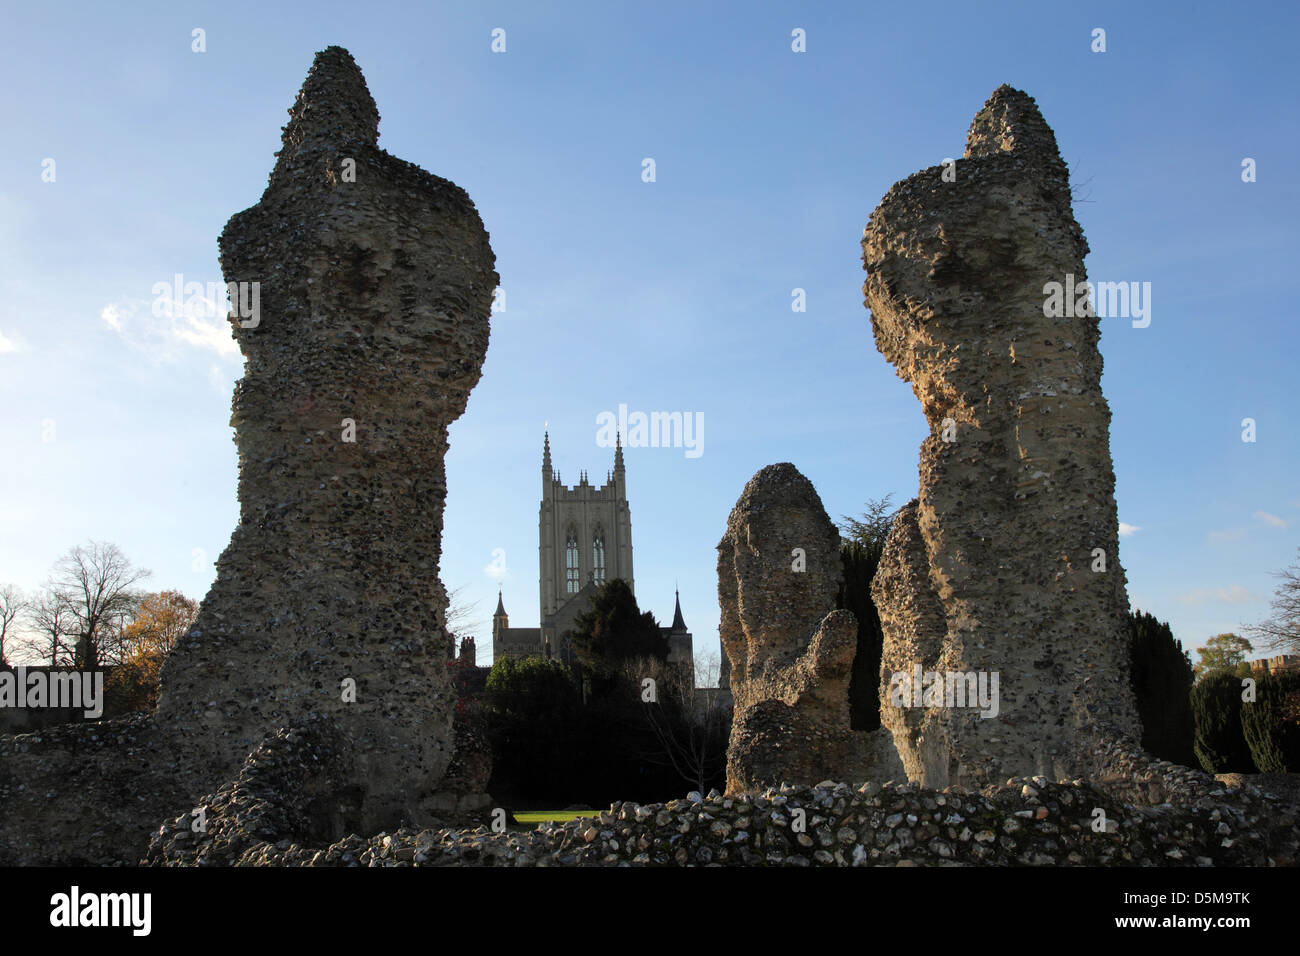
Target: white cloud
[
  {"x": 1271, "y": 519},
  {"x": 1127, "y": 530},
  {"x": 166, "y": 327},
  {"x": 1235, "y": 534},
  {"x": 1231, "y": 595},
  {"x": 205, "y": 334},
  {"x": 7, "y": 344}
]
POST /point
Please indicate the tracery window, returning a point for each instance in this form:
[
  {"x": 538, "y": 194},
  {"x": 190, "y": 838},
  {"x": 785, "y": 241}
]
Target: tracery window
[
  {"x": 598, "y": 558},
  {"x": 571, "y": 584}
]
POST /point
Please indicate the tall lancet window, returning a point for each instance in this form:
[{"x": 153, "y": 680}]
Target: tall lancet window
[
  {"x": 598, "y": 557},
  {"x": 571, "y": 584}
]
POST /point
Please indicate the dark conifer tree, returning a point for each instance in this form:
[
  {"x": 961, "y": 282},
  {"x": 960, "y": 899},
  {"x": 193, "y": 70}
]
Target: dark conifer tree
[
  {"x": 1161, "y": 676},
  {"x": 1216, "y": 708}
]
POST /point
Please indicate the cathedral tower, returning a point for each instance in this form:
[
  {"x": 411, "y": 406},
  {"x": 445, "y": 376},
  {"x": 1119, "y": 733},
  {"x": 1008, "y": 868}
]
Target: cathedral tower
[
  {"x": 584, "y": 540},
  {"x": 585, "y": 534}
]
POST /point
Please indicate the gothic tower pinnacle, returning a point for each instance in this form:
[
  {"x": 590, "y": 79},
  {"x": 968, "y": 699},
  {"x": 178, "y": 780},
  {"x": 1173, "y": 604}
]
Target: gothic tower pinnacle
[{"x": 679, "y": 623}]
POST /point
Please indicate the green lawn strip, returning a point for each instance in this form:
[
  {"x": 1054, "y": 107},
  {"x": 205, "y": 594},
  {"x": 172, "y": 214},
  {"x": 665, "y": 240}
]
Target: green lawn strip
[{"x": 531, "y": 818}]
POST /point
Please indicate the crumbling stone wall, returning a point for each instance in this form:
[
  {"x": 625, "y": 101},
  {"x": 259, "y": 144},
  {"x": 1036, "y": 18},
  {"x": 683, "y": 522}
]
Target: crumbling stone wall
[
  {"x": 995, "y": 567},
  {"x": 1021, "y": 822},
  {"x": 790, "y": 651},
  {"x": 375, "y": 282}
]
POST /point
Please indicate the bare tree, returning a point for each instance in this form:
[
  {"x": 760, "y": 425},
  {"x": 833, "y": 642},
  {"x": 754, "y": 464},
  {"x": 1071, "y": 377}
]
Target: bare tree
[
  {"x": 708, "y": 669},
  {"x": 690, "y": 729},
  {"x": 12, "y": 604},
  {"x": 461, "y": 622},
  {"x": 1281, "y": 629},
  {"x": 97, "y": 583},
  {"x": 50, "y": 623}
]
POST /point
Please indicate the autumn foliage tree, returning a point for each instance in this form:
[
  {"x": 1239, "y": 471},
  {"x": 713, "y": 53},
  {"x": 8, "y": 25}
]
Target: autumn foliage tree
[
  {"x": 1224, "y": 654},
  {"x": 160, "y": 622}
]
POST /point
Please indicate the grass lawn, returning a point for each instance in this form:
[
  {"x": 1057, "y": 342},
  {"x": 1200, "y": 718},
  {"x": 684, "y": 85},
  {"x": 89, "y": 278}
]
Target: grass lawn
[{"x": 530, "y": 818}]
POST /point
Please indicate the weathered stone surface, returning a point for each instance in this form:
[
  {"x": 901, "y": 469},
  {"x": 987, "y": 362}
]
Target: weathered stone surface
[
  {"x": 86, "y": 794},
  {"x": 991, "y": 568},
  {"x": 289, "y": 786},
  {"x": 374, "y": 299},
  {"x": 1021, "y": 822},
  {"x": 791, "y": 652}
]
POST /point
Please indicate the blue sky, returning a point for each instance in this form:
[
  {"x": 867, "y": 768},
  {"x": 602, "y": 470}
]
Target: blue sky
[{"x": 667, "y": 296}]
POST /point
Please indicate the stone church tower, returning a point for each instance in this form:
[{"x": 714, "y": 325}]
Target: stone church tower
[
  {"x": 584, "y": 540},
  {"x": 585, "y": 533}
]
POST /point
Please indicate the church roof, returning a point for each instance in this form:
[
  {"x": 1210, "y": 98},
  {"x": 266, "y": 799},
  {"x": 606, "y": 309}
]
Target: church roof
[{"x": 589, "y": 591}]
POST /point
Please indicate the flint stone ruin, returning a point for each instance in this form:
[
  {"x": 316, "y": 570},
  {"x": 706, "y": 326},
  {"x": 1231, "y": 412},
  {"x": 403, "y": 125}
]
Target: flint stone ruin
[
  {"x": 790, "y": 650},
  {"x": 1008, "y": 560},
  {"x": 376, "y": 280},
  {"x": 993, "y": 569},
  {"x": 376, "y": 291}
]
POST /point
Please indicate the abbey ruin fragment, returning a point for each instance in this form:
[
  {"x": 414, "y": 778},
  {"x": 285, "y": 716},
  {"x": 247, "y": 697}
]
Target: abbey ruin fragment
[{"x": 308, "y": 717}]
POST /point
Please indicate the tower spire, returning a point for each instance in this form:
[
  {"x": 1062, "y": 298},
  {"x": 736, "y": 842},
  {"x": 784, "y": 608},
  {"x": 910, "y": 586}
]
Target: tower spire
[
  {"x": 618, "y": 454},
  {"x": 500, "y": 622},
  {"x": 679, "y": 622},
  {"x": 546, "y": 453}
]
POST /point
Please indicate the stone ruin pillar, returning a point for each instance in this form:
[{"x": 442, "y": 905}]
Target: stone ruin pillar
[
  {"x": 376, "y": 281},
  {"x": 790, "y": 651},
  {"x": 1008, "y": 560},
  {"x": 362, "y": 312}
]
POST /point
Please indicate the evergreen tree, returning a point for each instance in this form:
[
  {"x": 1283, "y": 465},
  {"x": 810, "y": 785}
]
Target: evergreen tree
[
  {"x": 860, "y": 562},
  {"x": 862, "y": 542},
  {"x": 1271, "y": 723},
  {"x": 533, "y": 716},
  {"x": 614, "y": 630},
  {"x": 1216, "y": 708},
  {"x": 1161, "y": 677}
]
